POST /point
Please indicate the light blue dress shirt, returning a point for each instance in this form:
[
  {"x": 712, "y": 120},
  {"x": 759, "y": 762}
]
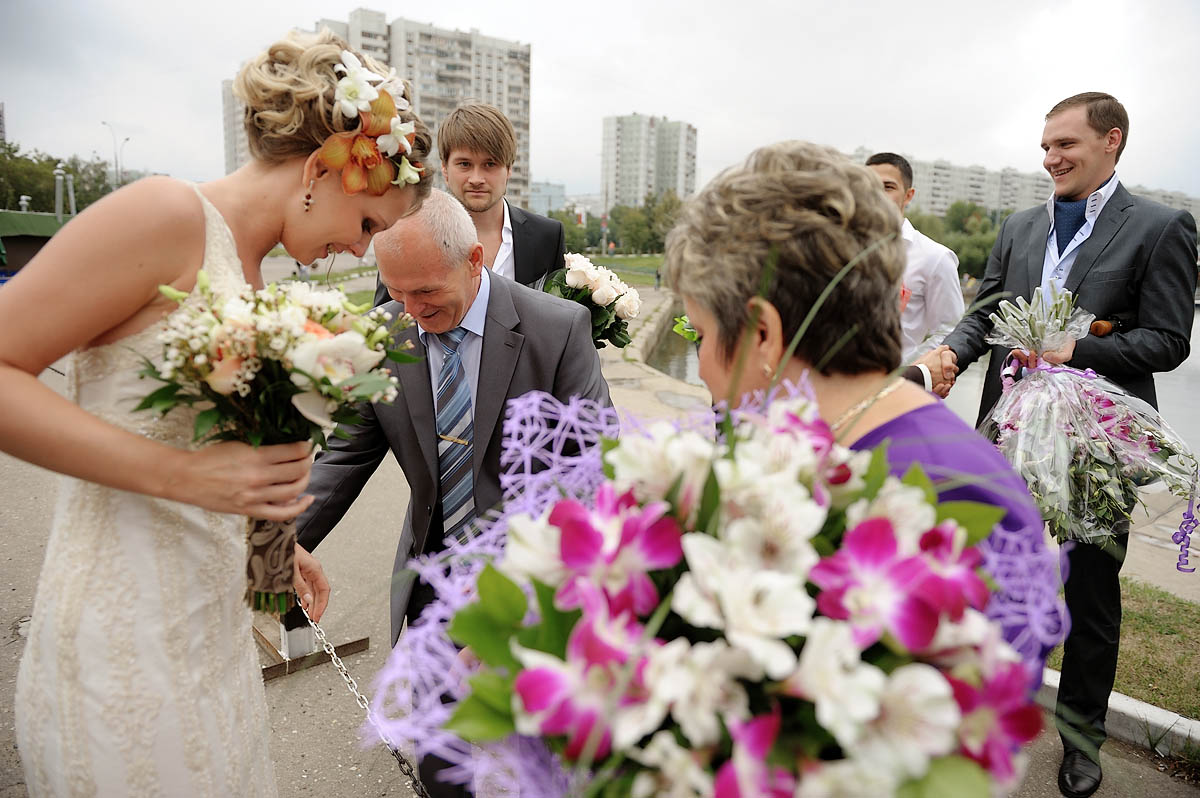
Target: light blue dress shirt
[
  {"x": 471, "y": 347},
  {"x": 1056, "y": 268}
]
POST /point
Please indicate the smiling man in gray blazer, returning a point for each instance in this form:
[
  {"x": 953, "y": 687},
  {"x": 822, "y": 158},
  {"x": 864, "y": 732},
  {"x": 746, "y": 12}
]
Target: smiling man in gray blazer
[
  {"x": 513, "y": 340},
  {"x": 1131, "y": 262}
]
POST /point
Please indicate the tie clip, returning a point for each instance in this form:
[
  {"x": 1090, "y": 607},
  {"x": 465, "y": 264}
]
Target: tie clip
[{"x": 452, "y": 439}]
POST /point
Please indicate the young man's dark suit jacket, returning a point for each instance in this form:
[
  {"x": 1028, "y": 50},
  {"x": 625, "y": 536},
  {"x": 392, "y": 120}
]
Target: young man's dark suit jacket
[
  {"x": 538, "y": 248},
  {"x": 1139, "y": 266},
  {"x": 531, "y": 341}
]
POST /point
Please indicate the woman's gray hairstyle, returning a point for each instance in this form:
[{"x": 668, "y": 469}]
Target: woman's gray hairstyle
[
  {"x": 807, "y": 211},
  {"x": 450, "y": 225}
]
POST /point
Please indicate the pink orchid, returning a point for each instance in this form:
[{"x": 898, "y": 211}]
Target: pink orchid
[
  {"x": 867, "y": 583},
  {"x": 747, "y": 774},
  {"x": 998, "y": 718},
  {"x": 955, "y": 582},
  {"x": 571, "y": 698},
  {"x": 613, "y": 547}
]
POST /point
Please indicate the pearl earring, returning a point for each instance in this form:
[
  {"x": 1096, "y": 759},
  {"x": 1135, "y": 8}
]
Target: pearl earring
[
  {"x": 308, "y": 200},
  {"x": 767, "y": 370}
]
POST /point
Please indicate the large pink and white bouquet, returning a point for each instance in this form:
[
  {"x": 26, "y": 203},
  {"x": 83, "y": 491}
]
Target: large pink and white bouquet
[
  {"x": 770, "y": 614},
  {"x": 1084, "y": 445},
  {"x": 610, "y": 300},
  {"x": 282, "y": 364}
]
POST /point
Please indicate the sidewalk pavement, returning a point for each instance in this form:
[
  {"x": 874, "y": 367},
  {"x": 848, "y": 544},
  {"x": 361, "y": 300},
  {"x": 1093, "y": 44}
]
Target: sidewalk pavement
[{"x": 316, "y": 727}]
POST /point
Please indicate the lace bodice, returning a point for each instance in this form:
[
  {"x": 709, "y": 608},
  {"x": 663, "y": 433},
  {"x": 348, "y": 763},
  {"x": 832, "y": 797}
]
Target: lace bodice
[{"x": 104, "y": 379}]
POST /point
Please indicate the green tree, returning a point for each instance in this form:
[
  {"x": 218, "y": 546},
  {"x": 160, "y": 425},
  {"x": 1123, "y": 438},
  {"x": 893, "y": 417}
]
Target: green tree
[
  {"x": 661, "y": 214},
  {"x": 967, "y": 217},
  {"x": 629, "y": 228},
  {"x": 928, "y": 224},
  {"x": 575, "y": 233},
  {"x": 33, "y": 174},
  {"x": 594, "y": 234}
]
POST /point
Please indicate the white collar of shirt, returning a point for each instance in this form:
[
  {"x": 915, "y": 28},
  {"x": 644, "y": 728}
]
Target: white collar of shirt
[
  {"x": 1095, "y": 203},
  {"x": 1057, "y": 267},
  {"x": 505, "y": 264},
  {"x": 470, "y": 350},
  {"x": 907, "y": 231}
]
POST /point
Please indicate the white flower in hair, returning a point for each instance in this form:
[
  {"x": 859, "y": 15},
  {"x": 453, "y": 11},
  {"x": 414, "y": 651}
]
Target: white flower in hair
[
  {"x": 390, "y": 143},
  {"x": 354, "y": 91},
  {"x": 393, "y": 84}
]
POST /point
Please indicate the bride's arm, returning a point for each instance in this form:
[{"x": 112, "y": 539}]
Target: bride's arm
[{"x": 96, "y": 280}]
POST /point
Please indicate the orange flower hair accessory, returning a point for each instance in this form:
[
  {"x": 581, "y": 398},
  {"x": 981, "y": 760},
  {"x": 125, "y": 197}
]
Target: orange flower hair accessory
[{"x": 367, "y": 157}]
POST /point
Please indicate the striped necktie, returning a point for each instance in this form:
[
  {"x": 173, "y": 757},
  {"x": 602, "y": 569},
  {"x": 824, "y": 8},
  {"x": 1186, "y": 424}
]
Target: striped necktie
[{"x": 456, "y": 431}]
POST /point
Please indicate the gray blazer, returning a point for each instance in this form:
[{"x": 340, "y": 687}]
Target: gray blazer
[
  {"x": 1138, "y": 265},
  {"x": 531, "y": 341}
]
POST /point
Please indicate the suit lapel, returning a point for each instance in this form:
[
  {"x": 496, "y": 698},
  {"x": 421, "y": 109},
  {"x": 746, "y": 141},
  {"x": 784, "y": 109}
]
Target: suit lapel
[
  {"x": 1110, "y": 220},
  {"x": 416, "y": 393},
  {"x": 1036, "y": 257},
  {"x": 497, "y": 364},
  {"x": 521, "y": 246}
]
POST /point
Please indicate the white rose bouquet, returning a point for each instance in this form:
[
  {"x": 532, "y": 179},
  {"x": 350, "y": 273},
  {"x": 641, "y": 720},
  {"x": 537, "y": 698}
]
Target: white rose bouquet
[
  {"x": 611, "y": 302},
  {"x": 282, "y": 364}
]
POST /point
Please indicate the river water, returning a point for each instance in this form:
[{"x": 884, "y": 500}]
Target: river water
[{"x": 1178, "y": 390}]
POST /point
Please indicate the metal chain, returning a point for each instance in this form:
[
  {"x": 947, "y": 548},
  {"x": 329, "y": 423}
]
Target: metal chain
[{"x": 405, "y": 766}]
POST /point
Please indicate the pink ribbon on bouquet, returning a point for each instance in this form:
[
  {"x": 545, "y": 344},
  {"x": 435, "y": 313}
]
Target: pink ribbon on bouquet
[{"x": 1011, "y": 367}]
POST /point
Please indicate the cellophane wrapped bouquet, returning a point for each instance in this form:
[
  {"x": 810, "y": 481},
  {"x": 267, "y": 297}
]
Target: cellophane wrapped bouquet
[
  {"x": 610, "y": 300},
  {"x": 1082, "y": 443},
  {"x": 282, "y": 364},
  {"x": 764, "y": 614}
]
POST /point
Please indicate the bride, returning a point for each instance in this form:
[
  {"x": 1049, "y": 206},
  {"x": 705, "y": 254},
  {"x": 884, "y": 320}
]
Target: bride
[{"x": 139, "y": 677}]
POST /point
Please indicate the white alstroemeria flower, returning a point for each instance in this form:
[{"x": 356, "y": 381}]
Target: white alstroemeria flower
[
  {"x": 336, "y": 358},
  {"x": 832, "y": 675},
  {"x": 973, "y": 645},
  {"x": 354, "y": 91},
  {"x": 315, "y": 407},
  {"x": 918, "y": 720},
  {"x": 650, "y": 464},
  {"x": 679, "y": 774},
  {"x": 629, "y": 305},
  {"x": 390, "y": 143},
  {"x": 393, "y": 84},
  {"x": 406, "y": 173},
  {"x": 531, "y": 551},
  {"x": 846, "y": 778},
  {"x": 756, "y": 609},
  {"x": 699, "y": 683},
  {"x": 772, "y": 543},
  {"x": 905, "y": 506}
]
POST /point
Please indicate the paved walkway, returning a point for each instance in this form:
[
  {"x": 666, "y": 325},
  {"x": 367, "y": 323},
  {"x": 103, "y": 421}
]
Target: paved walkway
[{"x": 315, "y": 724}]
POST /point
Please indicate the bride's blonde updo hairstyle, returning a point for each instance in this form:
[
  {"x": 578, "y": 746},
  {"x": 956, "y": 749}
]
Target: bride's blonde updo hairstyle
[{"x": 289, "y": 89}]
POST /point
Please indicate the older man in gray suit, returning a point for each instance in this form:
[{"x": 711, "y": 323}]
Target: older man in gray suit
[
  {"x": 511, "y": 340},
  {"x": 1132, "y": 262}
]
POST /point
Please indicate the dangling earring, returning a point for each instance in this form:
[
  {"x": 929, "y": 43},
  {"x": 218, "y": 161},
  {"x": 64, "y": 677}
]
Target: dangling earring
[
  {"x": 767, "y": 370},
  {"x": 308, "y": 196}
]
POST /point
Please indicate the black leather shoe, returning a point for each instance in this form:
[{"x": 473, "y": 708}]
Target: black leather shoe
[{"x": 1078, "y": 776}]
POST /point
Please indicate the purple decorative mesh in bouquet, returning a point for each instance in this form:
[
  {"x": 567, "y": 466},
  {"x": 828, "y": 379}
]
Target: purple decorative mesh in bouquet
[
  {"x": 1083, "y": 444},
  {"x": 755, "y": 612}
]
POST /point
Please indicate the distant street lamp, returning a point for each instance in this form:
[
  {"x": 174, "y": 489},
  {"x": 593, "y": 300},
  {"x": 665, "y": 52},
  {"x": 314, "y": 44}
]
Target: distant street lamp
[
  {"x": 120, "y": 160},
  {"x": 117, "y": 153}
]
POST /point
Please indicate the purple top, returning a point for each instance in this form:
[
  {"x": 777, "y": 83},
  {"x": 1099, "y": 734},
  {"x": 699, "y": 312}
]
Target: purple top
[{"x": 965, "y": 466}]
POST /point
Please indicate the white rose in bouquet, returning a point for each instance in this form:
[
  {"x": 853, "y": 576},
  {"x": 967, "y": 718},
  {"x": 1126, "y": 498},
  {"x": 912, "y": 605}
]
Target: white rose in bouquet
[
  {"x": 604, "y": 294},
  {"x": 629, "y": 305}
]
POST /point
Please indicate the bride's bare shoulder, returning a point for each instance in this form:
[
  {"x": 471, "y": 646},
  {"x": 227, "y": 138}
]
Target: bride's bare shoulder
[{"x": 158, "y": 204}]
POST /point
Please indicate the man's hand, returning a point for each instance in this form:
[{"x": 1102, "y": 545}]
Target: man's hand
[
  {"x": 943, "y": 368},
  {"x": 1055, "y": 357},
  {"x": 310, "y": 583}
]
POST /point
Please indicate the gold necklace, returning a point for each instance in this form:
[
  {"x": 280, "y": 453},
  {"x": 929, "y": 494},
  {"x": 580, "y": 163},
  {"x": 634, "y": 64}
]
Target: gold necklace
[{"x": 865, "y": 403}]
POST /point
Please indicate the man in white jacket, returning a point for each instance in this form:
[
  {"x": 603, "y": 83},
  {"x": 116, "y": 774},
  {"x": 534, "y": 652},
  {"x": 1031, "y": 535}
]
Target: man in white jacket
[{"x": 931, "y": 296}]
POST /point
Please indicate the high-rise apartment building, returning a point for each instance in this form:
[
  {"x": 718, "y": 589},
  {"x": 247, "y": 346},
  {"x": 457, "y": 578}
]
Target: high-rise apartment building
[
  {"x": 940, "y": 183},
  {"x": 644, "y": 155},
  {"x": 546, "y": 197},
  {"x": 237, "y": 151},
  {"x": 445, "y": 68}
]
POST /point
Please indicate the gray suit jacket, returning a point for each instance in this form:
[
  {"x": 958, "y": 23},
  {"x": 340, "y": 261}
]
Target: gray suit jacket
[
  {"x": 1138, "y": 265},
  {"x": 531, "y": 341}
]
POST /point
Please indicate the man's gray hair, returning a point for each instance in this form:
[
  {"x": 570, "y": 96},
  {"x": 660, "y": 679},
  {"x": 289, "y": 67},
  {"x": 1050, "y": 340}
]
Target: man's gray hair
[{"x": 448, "y": 222}]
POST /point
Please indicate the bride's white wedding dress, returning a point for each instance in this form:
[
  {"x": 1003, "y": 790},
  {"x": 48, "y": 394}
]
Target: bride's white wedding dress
[{"x": 139, "y": 676}]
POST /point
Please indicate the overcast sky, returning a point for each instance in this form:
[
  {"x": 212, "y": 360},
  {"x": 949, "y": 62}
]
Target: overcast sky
[{"x": 933, "y": 79}]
